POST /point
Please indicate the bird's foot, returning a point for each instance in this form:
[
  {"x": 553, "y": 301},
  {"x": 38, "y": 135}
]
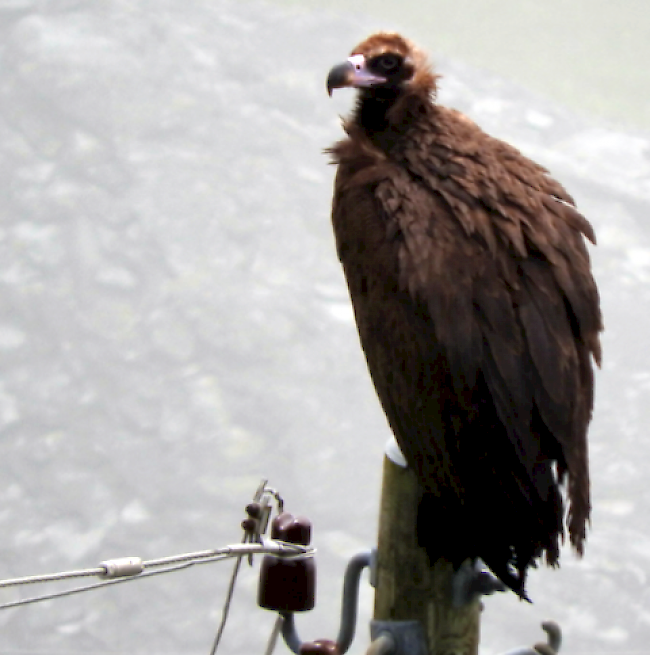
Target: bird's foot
[{"x": 471, "y": 581}]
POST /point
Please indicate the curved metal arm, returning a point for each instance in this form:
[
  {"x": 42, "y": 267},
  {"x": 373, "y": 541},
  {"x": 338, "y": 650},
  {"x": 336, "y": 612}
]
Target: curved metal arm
[
  {"x": 554, "y": 636},
  {"x": 349, "y": 605},
  {"x": 383, "y": 645}
]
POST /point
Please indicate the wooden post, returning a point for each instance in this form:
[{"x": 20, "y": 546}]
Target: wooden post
[{"x": 408, "y": 588}]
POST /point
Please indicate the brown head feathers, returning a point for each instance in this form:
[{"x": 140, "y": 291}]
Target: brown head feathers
[
  {"x": 420, "y": 77},
  {"x": 386, "y": 67}
]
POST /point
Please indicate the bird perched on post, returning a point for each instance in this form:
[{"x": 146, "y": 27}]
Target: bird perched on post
[{"x": 477, "y": 313}]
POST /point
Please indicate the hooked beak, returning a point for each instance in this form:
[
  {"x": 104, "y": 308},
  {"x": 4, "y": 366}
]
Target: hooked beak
[{"x": 352, "y": 73}]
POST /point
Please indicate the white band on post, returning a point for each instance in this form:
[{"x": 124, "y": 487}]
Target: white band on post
[{"x": 394, "y": 454}]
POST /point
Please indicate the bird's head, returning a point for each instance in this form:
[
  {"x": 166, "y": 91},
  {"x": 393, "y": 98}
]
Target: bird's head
[{"x": 385, "y": 63}]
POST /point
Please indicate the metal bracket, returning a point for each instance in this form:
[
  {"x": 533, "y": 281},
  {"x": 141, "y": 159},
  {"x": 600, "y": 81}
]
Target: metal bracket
[
  {"x": 349, "y": 604},
  {"x": 397, "y": 638},
  {"x": 404, "y": 637}
]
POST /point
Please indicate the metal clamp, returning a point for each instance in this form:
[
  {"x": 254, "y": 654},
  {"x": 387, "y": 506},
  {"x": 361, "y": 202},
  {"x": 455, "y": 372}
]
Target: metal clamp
[{"x": 121, "y": 567}]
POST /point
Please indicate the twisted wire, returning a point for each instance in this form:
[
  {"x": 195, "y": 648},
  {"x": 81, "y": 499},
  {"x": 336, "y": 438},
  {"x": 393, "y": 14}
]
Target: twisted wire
[{"x": 166, "y": 564}]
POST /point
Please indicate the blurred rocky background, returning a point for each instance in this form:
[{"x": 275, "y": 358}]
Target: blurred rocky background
[{"x": 174, "y": 324}]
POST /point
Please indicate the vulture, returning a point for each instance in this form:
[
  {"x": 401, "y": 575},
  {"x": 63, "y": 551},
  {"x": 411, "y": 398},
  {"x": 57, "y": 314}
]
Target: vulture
[{"x": 477, "y": 312}]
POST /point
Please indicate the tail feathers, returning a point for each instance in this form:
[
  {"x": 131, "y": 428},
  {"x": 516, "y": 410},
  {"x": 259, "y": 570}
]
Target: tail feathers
[{"x": 508, "y": 548}]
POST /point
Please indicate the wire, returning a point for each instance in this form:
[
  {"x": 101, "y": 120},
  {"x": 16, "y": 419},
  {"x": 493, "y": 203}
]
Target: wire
[
  {"x": 168, "y": 564},
  {"x": 275, "y": 633},
  {"x": 226, "y": 606},
  {"x": 77, "y": 590}
]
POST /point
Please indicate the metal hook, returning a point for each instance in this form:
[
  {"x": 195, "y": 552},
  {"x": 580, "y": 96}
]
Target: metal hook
[{"x": 554, "y": 636}]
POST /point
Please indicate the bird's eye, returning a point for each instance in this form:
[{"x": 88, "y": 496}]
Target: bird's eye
[{"x": 387, "y": 63}]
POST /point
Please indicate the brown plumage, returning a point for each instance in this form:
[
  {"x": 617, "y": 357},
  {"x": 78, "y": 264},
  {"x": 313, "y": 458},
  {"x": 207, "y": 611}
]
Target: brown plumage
[{"x": 477, "y": 313}]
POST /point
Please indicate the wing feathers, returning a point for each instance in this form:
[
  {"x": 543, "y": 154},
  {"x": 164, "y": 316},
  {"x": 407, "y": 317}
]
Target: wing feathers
[{"x": 479, "y": 317}]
